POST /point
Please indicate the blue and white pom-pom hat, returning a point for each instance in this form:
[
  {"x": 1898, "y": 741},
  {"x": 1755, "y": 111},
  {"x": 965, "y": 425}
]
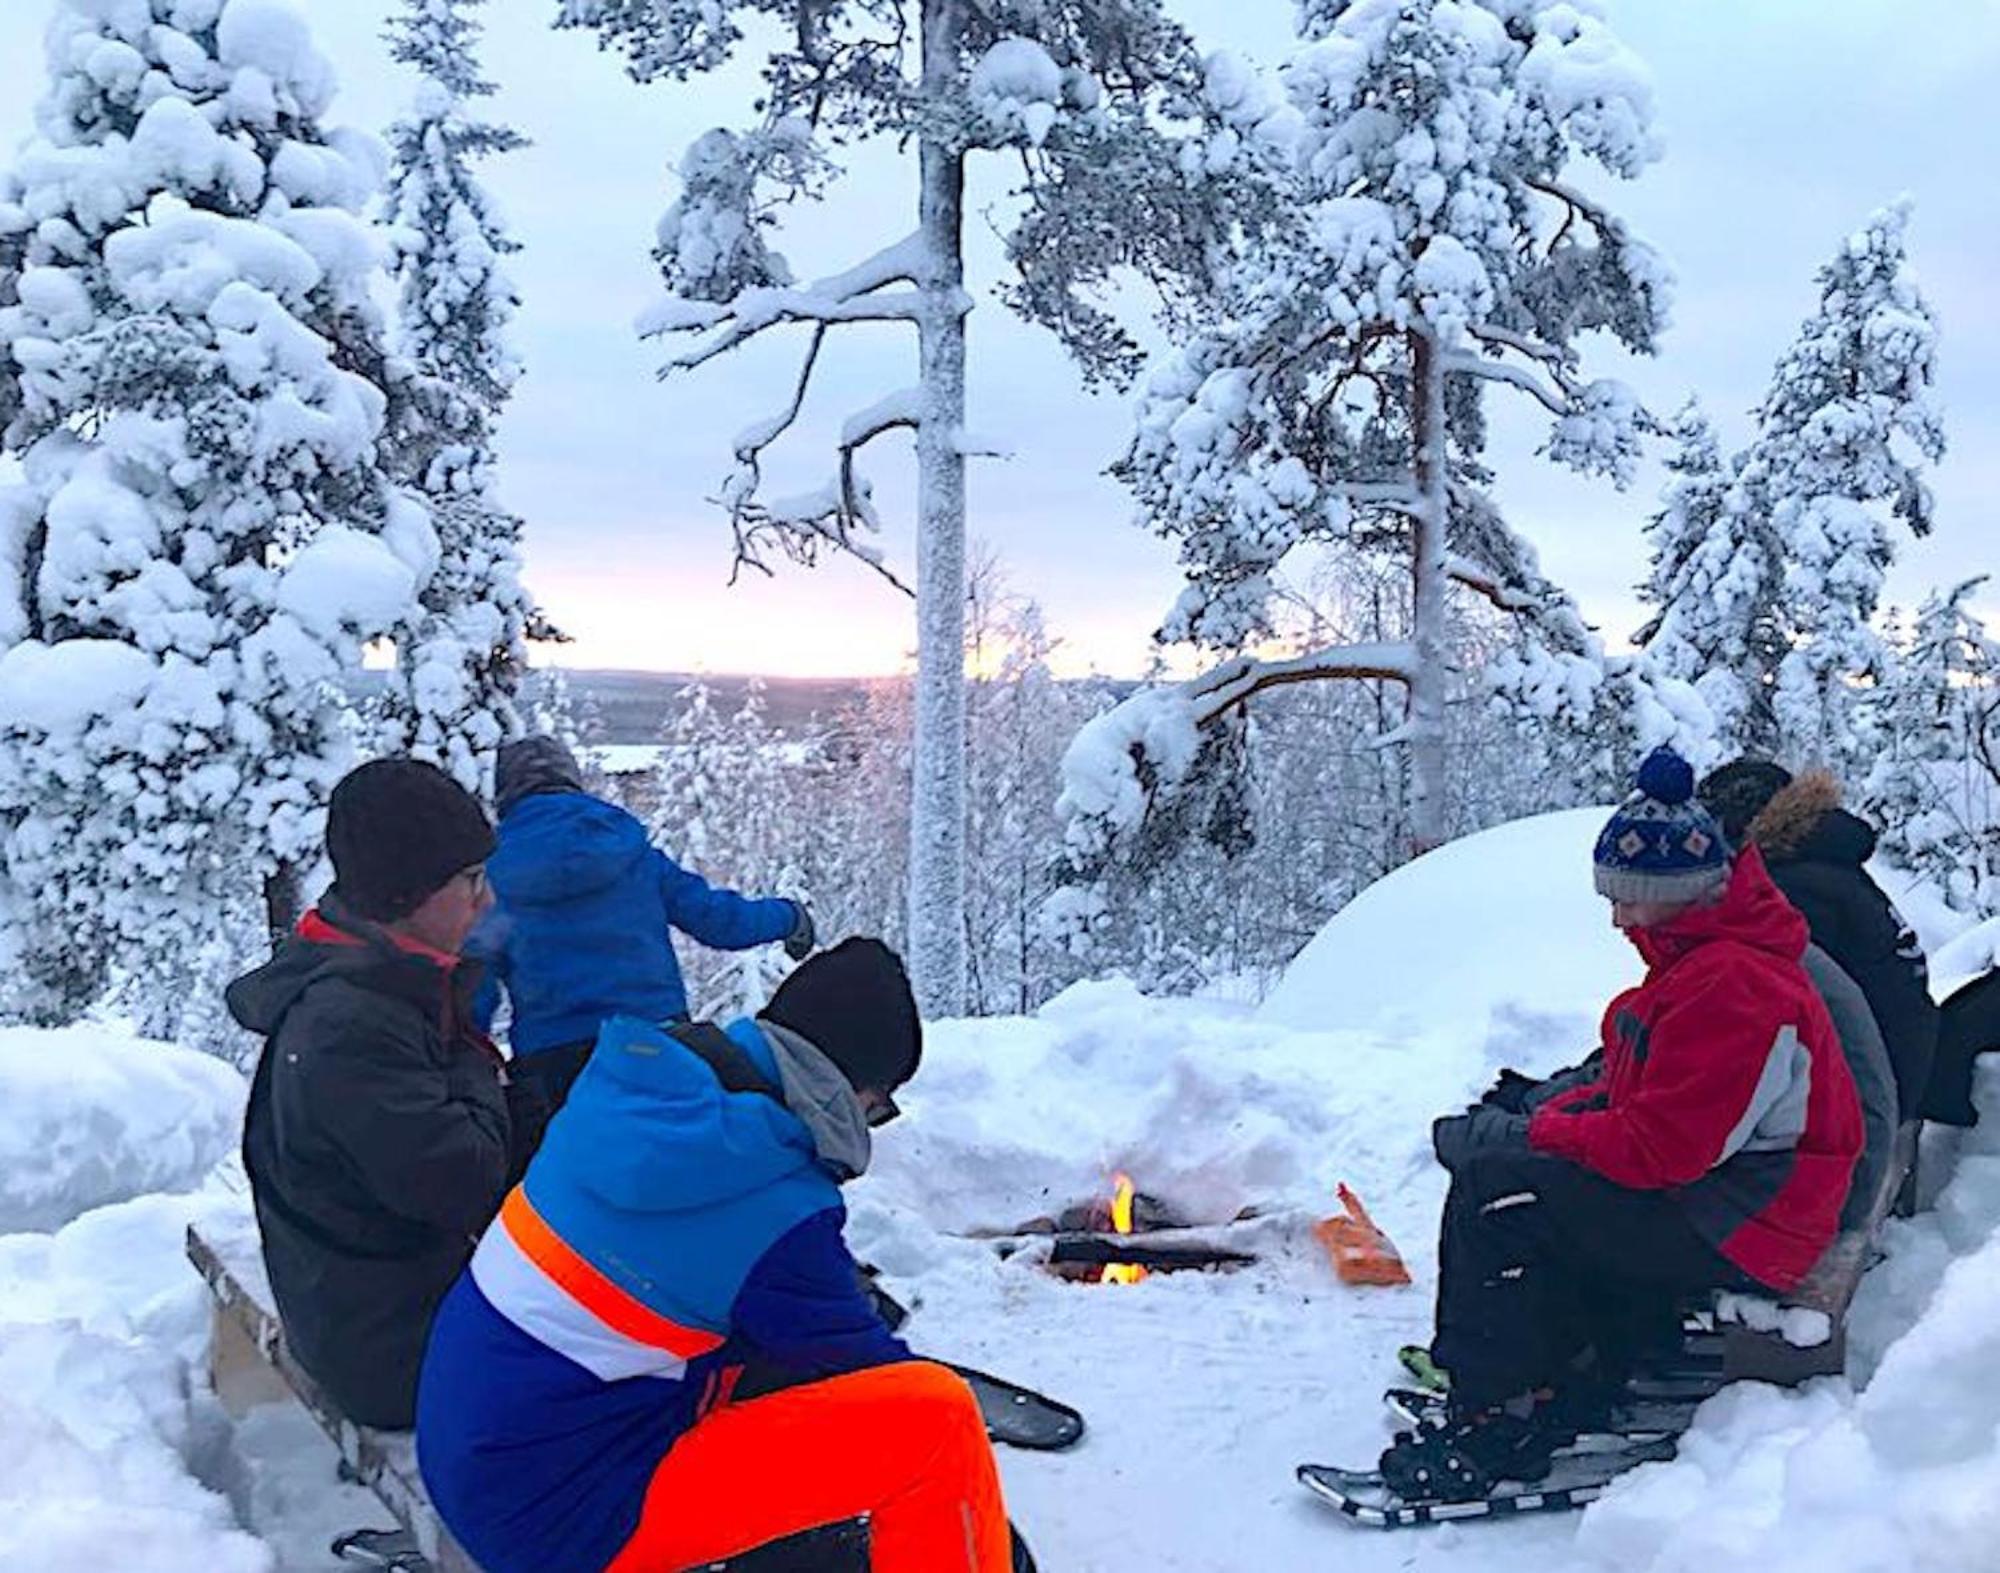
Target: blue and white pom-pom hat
[{"x": 1662, "y": 846}]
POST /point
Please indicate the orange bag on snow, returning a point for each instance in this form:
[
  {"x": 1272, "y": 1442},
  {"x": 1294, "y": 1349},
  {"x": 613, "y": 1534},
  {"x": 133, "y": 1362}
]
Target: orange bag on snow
[{"x": 1361, "y": 1252}]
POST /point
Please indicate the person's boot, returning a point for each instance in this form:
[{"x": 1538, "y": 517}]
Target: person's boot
[
  {"x": 1024, "y": 1559},
  {"x": 1465, "y": 1456}
]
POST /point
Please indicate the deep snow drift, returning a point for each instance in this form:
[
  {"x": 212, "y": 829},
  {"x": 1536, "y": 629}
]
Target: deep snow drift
[
  {"x": 1203, "y": 1391},
  {"x": 90, "y": 1115},
  {"x": 101, "y": 1321}
]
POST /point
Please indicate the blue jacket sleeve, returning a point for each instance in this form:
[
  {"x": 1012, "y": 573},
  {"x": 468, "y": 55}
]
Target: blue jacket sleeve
[
  {"x": 721, "y": 919},
  {"x": 803, "y": 1308}
]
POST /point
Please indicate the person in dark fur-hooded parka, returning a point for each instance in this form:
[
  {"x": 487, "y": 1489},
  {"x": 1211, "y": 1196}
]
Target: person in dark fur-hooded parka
[{"x": 1817, "y": 852}]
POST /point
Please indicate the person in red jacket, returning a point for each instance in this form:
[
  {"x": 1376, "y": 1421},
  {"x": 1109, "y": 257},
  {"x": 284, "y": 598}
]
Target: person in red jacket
[{"x": 1711, "y": 1146}]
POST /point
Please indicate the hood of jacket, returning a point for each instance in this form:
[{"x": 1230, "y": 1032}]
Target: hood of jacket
[
  {"x": 331, "y": 942},
  {"x": 649, "y": 1129},
  {"x": 1804, "y": 823},
  {"x": 1752, "y": 912},
  {"x": 531, "y": 765},
  {"x": 818, "y": 1092},
  {"x": 562, "y": 846}
]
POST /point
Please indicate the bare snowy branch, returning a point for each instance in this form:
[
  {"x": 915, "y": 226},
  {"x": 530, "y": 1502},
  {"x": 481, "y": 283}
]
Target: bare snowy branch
[
  {"x": 1521, "y": 343},
  {"x": 860, "y": 294},
  {"x": 900, "y": 411},
  {"x": 1476, "y": 578},
  {"x": 1553, "y": 399},
  {"x": 1235, "y": 682},
  {"x": 802, "y": 527},
  {"x": 751, "y": 444},
  {"x": 1576, "y": 206},
  {"x": 1400, "y": 496}
]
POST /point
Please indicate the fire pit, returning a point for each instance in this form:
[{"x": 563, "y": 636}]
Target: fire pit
[{"x": 1123, "y": 1238}]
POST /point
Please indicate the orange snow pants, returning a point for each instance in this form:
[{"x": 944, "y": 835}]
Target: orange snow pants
[{"x": 903, "y": 1444}]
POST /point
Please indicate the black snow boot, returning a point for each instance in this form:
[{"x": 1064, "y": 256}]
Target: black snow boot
[
  {"x": 1463, "y": 1458},
  {"x": 1024, "y": 1559}
]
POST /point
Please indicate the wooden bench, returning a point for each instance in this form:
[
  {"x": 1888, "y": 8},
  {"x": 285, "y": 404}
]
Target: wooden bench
[
  {"x": 1804, "y": 1335},
  {"x": 249, "y": 1364}
]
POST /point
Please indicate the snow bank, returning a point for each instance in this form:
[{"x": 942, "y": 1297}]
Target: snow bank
[
  {"x": 91, "y": 1115},
  {"x": 1500, "y": 936},
  {"x": 99, "y": 1325}
]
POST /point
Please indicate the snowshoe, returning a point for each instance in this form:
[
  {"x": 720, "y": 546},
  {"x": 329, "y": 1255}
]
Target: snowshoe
[
  {"x": 1626, "y": 1416},
  {"x": 1575, "y": 1478},
  {"x": 393, "y": 1550},
  {"x": 1015, "y": 1415},
  {"x": 1020, "y": 1417},
  {"x": 1428, "y": 1374}
]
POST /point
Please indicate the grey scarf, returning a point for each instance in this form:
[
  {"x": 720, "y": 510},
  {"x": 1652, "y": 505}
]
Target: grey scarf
[{"x": 817, "y": 1092}]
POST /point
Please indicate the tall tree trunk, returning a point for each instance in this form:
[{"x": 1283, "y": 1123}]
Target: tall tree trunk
[
  {"x": 284, "y": 902},
  {"x": 937, "y": 823},
  {"x": 1430, "y": 591}
]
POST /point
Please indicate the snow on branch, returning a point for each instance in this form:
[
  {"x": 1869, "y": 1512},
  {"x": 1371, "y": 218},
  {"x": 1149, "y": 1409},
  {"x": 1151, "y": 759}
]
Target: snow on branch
[
  {"x": 900, "y": 410},
  {"x": 1134, "y": 765},
  {"x": 1463, "y": 571},
  {"x": 1399, "y": 496},
  {"x": 860, "y": 294},
  {"x": 1551, "y": 398},
  {"x": 801, "y": 527},
  {"x": 1521, "y": 343},
  {"x": 1236, "y": 682}
]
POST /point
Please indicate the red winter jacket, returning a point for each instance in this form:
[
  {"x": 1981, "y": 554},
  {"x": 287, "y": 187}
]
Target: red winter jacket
[{"x": 1724, "y": 1082}]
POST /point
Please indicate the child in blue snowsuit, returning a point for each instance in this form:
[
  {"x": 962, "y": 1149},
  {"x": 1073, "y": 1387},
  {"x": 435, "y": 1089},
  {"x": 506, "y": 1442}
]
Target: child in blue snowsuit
[{"x": 584, "y": 903}]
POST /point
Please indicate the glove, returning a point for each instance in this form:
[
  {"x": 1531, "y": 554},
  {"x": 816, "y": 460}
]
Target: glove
[
  {"x": 1458, "y": 1138},
  {"x": 799, "y": 943},
  {"x": 1509, "y": 1093}
]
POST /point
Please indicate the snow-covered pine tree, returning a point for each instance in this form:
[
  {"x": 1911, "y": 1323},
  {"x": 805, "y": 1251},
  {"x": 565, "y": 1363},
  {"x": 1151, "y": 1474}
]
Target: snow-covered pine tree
[
  {"x": 1843, "y": 436},
  {"x": 1075, "y": 90},
  {"x": 727, "y": 803},
  {"x": 1433, "y": 246},
  {"x": 206, "y": 533},
  {"x": 1935, "y": 786},
  {"x": 1019, "y": 718},
  {"x": 1717, "y": 580},
  {"x": 453, "y": 696},
  {"x": 689, "y": 778}
]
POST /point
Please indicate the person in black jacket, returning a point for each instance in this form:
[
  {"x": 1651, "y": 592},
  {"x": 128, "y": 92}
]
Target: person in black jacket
[
  {"x": 378, "y": 1135},
  {"x": 1816, "y": 851}
]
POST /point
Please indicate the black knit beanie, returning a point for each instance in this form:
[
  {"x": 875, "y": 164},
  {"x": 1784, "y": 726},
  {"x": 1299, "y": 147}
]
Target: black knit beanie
[
  {"x": 853, "y": 1003},
  {"x": 398, "y": 830},
  {"x": 1739, "y": 791}
]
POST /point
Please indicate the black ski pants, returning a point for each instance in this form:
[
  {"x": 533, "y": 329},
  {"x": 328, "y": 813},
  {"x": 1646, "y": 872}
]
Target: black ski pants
[{"x": 1545, "y": 1269}]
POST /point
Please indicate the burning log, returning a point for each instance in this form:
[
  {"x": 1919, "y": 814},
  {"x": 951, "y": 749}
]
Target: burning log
[{"x": 1141, "y": 1254}]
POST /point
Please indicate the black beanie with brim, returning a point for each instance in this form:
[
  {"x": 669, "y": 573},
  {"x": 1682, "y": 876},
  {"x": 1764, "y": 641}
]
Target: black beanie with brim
[{"x": 398, "y": 831}]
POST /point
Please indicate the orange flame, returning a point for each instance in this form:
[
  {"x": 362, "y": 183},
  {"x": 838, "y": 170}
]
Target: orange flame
[{"x": 1121, "y": 1223}]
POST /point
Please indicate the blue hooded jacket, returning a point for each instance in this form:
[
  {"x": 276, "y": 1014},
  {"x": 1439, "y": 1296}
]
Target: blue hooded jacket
[
  {"x": 579, "y": 930},
  {"x": 668, "y": 1233}
]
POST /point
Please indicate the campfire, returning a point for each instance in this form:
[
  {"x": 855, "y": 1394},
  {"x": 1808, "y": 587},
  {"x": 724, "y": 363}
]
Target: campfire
[
  {"x": 1122, "y": 1194},
  {"x": 1123, "y": 1238}
]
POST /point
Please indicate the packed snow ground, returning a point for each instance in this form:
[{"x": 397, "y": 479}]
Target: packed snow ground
[{"x": 1202, "y": 1391}]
